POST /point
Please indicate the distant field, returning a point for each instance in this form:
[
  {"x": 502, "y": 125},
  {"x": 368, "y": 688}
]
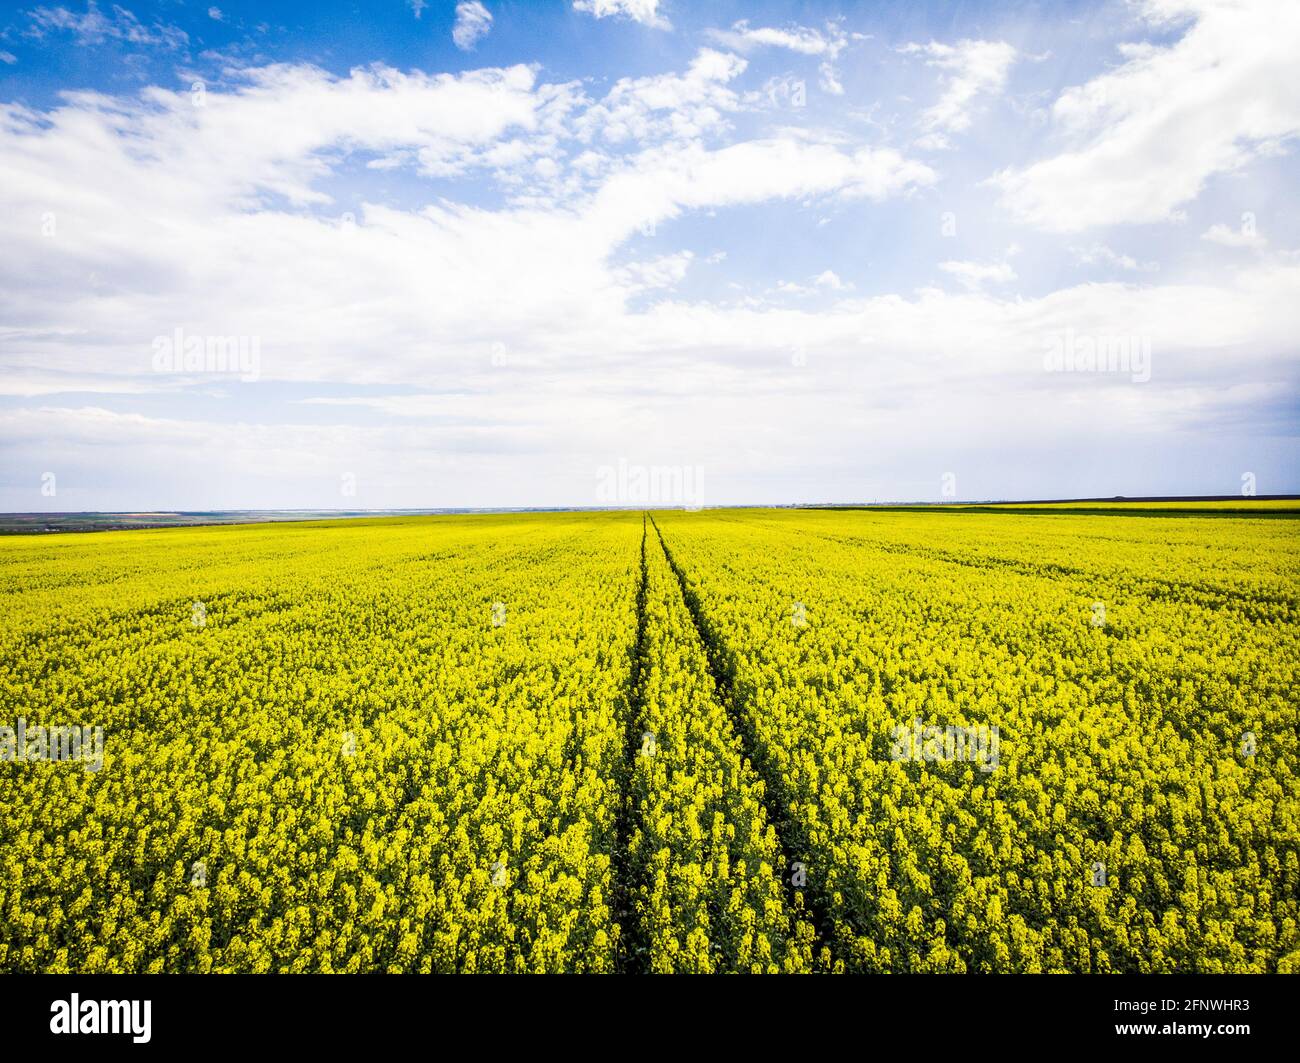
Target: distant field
[
  {"x": 731, "y": 740},
  {"x": 1236, "y": 506},
  {"x": 44, "y": 523},
  {"x": 40, "y": 523},
  {"x": 1216, "y": 507}
]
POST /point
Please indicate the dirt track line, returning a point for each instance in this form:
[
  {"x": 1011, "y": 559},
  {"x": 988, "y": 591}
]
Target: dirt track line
[
  {"x": 789, "y": 836},
  {"x": 630, "y": 957}
]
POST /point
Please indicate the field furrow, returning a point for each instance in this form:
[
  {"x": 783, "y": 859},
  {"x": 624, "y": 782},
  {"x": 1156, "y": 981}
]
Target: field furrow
[{"x": 708, "y": 869}]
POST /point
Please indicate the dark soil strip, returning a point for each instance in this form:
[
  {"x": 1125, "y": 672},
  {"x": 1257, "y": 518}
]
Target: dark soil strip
[
  {"x": 789, "y": 834},
  {"x": 631, "y": 950}
]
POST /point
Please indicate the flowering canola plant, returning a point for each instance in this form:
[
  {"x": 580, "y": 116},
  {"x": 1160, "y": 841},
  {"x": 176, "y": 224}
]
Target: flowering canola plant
[{"x": 758, "y": 741}]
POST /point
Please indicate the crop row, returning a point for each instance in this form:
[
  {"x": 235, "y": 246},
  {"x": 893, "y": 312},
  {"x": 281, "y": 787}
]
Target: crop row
[{"x": 1139, "y": 810}]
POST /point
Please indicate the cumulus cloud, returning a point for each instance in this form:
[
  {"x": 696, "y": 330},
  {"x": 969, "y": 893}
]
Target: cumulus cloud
[
  {"x": 827, "y": 45},
  {"x": 203, "y": 247},
  {"x": 534, "y": 425},
  {"x": 1244, "y": 236},
  {"x": 269, "y": 129},
  {"x": 662, "y": 183},
  {"x": 644, "y": 11},
  {"x": 1142, "y": 140},
  {"x": 976, "y": 274},
  {"x": 801, "y": 39},
  {"x": 680, "y": 106},
  {"x": 663, "y": 272},
  {"x": 972, "y": 68},
  {"x": 1098, "y": 254},
  {"x": 521, "y": 310},
  {"x": 830, "y": 279},
  {"x": 473, "y": 22},
  {"x": 826, "y": 281}
]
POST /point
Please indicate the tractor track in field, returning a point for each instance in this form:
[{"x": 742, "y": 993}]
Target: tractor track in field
[
  {"x": 789, "y": 836},
  {"x": 630, "y": 956}
]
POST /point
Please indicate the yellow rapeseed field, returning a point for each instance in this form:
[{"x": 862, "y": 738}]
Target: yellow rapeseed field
[{"x": 746, "y": 740}]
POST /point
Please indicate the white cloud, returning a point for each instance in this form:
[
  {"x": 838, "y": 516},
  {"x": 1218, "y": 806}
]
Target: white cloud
[
  {"x": 644, "y": 11},
  {"x": 660, "y": 184},
  {"x": 606, "y": 341},
  {"x": 826, "y": 281},
  {"x": 1142, "y": 140},
  {"x": 255, "y": 247},
  {"x": 8, "y": 58},
  {"x": 29, "y": 383},
  {"x": 1245, "y": 236},
  {"x": 830, "y": 279},
  {"x": 473, "y": 21},
  {"x": 830, "y": 80},
  {"x": 1098, "y": 254},
  {"x": 417, "y": 7},
  {"x": 743, "y": 37},
  {"x": 932, "y": 142},
  {"x": 266, "y": 132},
  {"x": 973, "y": 68},
  {"x": 677, "y": 106},
  {"x": 971, "y": 361},
  {"x": 215, "y": 14},
  {"x": 94, "y": 27},
  {"x": 976, "y": 274},
  {"x": 664, "y": 272},
  {"x": 800, "y": 39}
]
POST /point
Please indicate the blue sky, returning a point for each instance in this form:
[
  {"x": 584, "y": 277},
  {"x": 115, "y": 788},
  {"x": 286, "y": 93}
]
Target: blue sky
[{"x": 483, "y": 253}]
